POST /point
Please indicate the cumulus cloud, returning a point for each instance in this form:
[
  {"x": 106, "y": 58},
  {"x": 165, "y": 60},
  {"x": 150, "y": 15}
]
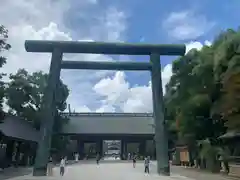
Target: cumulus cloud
[
  {"x": 99, "y": 91},
  {"x": 39, "y": 21},
  {"x": 197, "y": 45},
  {"x": 19, "y": 58},
  {"x": 186, "y": 25},
  {"x": 117, "y": 91}
]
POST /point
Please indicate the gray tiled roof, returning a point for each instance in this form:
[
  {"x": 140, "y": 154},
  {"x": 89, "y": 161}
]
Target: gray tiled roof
[
  {"x": 19, "y": 129},
  {"x": 109, "y": 123}
]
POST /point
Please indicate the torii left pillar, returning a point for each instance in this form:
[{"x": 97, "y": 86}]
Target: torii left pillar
[{"x": 48, "y": 115}]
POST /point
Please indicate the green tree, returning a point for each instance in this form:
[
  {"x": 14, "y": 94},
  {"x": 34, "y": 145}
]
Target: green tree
[
  {"x": 190, "y": 93},
  {"x": 227, "y": 74},
  {"x": 203, "y": 92},
  {"x": 4, "y": 46},
  {"x": 24, "y": 95}
]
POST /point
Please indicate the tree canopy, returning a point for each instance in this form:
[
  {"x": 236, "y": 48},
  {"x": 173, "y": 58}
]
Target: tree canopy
[
  {"x": 4, "y": 46},
  {"x": 202, "y": 96},
  {"x": 24, "y": 94}
]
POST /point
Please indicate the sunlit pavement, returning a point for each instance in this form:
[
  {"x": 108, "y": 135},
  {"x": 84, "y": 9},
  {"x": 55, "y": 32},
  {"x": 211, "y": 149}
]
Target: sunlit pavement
[
  {"x": 115, "y": 171},
  {"x": 110, "y": 158}
]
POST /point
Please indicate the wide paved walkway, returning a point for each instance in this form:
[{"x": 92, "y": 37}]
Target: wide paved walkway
[{"x": 116, "y": 171}]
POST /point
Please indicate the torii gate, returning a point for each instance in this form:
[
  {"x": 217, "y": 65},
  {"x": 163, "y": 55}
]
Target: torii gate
[{"x": 57, "y": 48}]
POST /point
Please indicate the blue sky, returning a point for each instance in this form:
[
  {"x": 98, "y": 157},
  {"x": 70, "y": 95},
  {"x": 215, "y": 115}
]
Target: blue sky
[
  {"x": 145, "y": 22},
  {"x": 145, "y": 18},
  {"x": 192, "y": 22}
]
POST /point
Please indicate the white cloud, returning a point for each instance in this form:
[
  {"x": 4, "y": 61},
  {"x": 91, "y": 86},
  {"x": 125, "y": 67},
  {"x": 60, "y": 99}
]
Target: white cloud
[
  {"x": 37, "y": 13},
  {"x": 19, "y": 58},
  {"x": 114, "y": 21},
  {"x": 197, "y": 45},
  {"x": 38, "y": 20},
  {"x": 117, "y": 91},
  {"x": 186, "y": 25},
  {"x": 100, "y": 91},
  {"x": 106, "y": 108}
]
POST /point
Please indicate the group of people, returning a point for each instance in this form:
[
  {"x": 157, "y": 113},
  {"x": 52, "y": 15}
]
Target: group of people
[
  {"x": 51, "y": 166},
  {"x": 146, "y": 163},
  {"x": 64, "y": 159}
]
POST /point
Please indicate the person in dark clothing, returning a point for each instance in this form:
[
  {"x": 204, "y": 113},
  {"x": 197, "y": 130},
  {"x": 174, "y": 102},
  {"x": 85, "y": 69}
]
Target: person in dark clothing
[
  {"x": 146, "y": 164},
  {"x": 134, "y": 161},
  {"x": 97, "y": 158},
  {"x": 50, "y": 167},
  {"x": 3, "y": 158}
]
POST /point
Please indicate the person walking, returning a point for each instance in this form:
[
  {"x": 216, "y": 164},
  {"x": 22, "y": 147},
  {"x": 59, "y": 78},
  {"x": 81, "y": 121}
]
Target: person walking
[
  {"x": 129, "y": 156},
  {"x": 50, "y": 167},
  {"x": 62, "y": 166},
  {"x": 146, "y": 164},
  {"x": 3, "y": 158},
  {"x": 97, "y": 159},
  {"x": 134, "y": 161},
  {"x": 76, "y": 157}
]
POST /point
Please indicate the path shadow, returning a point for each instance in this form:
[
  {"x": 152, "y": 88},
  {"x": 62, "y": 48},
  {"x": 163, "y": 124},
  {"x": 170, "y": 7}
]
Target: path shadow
[
  {"x": 14, "y": 172},
  {"x": 105, "y": 161}
]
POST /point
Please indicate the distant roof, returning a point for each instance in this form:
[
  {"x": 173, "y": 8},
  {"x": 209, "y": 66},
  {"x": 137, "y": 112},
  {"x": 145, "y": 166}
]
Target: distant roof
[
  {"x": 17, "y": 128},
  {"x": 110, "y": 123}
]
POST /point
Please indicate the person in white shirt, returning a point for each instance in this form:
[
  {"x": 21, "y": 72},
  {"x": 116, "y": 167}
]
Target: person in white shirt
[
  {"x": 50, "y": 167},
  {"x": 62, "y": 166},
  {"x": 76, "y": 157},
  {"x": 129, "y": 156}
]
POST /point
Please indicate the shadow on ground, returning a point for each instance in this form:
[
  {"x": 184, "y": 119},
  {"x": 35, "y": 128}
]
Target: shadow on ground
[
  {"x": 14, "y": 172},
  {"x": 11, "y": 172}
]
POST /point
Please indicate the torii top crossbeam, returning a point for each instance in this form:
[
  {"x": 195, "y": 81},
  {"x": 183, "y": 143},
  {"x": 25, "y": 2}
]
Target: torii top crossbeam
[{"x": 104, "y": 48}]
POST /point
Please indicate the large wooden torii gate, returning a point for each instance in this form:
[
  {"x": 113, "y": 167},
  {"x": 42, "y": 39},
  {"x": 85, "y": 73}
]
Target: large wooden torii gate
[{"x": 57, "y": 48}]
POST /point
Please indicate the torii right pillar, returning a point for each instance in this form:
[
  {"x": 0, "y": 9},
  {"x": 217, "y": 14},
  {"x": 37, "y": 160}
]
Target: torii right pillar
[{"x": 161, "y": 138}]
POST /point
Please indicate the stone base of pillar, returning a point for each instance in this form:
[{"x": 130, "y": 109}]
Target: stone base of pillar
[
  {"x": 80, "y": 150},
  {"x": 40, "y": 171},
  {"x": 164, "y": 171}
]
